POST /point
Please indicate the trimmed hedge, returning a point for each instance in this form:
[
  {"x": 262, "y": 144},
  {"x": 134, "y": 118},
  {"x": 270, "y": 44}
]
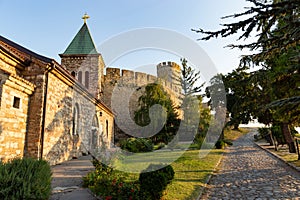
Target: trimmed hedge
[
  {"x": 154, "y": 182},
  {"x": 220, "y": 144},
  {"x": 107, "y": 183},
  {"x": 25, "y": 178},
  {"x": 136, "y": 145}
]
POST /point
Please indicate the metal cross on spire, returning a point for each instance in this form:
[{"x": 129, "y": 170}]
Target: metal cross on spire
[{"x": 85, "y": 17}]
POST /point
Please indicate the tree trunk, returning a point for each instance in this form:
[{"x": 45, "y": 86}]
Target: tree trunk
[
  {"x": 288, "y": 137},
  {"x": 275, "y": 143},
  {"x": 236, "y": 126},
  {"x": 222, "y": 137},
  {"x": 272, "y": 143}
]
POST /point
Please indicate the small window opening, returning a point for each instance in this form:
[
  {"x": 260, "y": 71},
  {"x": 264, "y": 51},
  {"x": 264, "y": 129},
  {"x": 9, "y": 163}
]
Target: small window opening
[
  {"x": 80, "y": 76},
  {"x": 87, "y": 79},
  {"x": 16, "y": 103},
  {"x": 73, "y": 73},
  {"x": 107, "y": 128}
]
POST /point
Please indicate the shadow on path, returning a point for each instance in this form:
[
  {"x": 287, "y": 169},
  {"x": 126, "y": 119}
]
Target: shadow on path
[{"x": 67, "y": 179}]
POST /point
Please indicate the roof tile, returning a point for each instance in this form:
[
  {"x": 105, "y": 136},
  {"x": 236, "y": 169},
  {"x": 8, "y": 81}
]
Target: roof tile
[{"x": 82, "y": 43}]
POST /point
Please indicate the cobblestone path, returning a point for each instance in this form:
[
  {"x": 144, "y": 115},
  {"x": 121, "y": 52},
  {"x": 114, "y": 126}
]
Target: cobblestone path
[{"x": 248, "y": 172}]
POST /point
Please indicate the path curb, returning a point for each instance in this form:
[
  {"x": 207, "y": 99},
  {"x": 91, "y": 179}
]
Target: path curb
[
  {"x": 208, "y": 178},
  {"x": 278, "y": 157}
]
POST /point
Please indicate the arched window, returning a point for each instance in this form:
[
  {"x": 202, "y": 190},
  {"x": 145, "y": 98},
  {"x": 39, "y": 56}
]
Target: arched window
[
  {"x": 95, "y": 132},
  {"x": 87, "y": 79},
  {"x": 75, "y": 120},
  {"x": 95, "y": 122},
  {"x": 73, "y": 73},
  {"x": 80, "y": 76}
]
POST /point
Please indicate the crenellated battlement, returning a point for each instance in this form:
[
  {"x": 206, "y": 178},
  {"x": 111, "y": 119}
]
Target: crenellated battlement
[
  {"x": 168, "y": 74},
  {"x": 174, "y": 65},
  {"x": 128, "y": 77},
  {"x": 113, "y": 73},
  {"x": 166, "y": 71}
]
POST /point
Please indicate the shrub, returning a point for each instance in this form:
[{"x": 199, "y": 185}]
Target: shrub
[
  {"x": 109, "y": 184},
  {"x": 263, "y": 131},
  {"x": 220, "y": 144},
  {"x": 228, "y": 142},
  {"x": 198, "y": 140},
  {"x": 137, "y": 145},
  {"x": 160, "y": 145},
  {"x": 277, "y": 133},
  {"x": 25, "y": 178},
  {"x": 111, "y": 187},
  {"x": 153, "y": 183}
]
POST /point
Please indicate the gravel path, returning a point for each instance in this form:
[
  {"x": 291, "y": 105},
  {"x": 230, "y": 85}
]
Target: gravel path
[{"x": 248, "y": 172}]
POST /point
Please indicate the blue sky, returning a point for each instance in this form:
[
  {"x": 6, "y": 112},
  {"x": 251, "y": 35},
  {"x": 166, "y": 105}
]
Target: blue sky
[{"x": 48, "y": 26}]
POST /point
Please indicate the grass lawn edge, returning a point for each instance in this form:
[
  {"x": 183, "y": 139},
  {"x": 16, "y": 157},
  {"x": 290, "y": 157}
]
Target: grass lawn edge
[
  {"x": 274, "y": 154},
  {"x": 208, "y": 178}
]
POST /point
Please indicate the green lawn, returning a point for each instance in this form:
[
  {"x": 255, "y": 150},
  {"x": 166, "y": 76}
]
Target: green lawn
[
  {"x": 232, "y": 135},
  {"x": 283, "y": 152},
  {"x": 191, "y": 171}
]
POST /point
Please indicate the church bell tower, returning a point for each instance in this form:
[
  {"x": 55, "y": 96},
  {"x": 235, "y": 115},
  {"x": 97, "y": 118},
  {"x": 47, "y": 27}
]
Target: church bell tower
[{"x": 83, "y": 61}]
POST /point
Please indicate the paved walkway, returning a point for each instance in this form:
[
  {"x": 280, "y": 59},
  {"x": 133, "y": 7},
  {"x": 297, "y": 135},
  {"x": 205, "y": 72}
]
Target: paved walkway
[
  {"x": 67, "y": 180},
  {"x": 248, "y": 172}
]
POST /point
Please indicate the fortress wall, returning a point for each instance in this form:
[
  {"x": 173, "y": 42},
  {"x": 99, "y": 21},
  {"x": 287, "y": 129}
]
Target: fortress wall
[
  {"x": 168, "y": 76},
  {"x": 141, "y": 79},
  {"x": 151, "y": 78},
  {"x": 113, "y": 73},
  {"x": 128, "y": 86},
  {"x": 128, "y": 77}
]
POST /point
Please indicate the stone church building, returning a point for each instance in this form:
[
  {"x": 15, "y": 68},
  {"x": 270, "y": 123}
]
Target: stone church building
[
  {"x": 50, "y": 110},
  {"x": 59, "y": 111}
]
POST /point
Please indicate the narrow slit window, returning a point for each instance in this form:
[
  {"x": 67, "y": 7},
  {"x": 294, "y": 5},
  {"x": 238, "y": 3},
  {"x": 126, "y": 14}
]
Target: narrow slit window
[
  {"x": 80, "y": 76},
  {"x": 16, "y": 102},
  {"x": 87, "y": 79},
  {"x": 107, "y": 128}
]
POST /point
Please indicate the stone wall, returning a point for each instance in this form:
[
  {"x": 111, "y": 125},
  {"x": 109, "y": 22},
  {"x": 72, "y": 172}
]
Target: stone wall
[
  {"x": 8, "y": 62},
  {"x": 127, "y": 78},
  {"x": 91, "y": 64},
  {"x": 45, "y": 112},
  {"x": 122, "y": 89},
  {"x": 14, "y": 101},
  {"x": 75, "y": 122}
]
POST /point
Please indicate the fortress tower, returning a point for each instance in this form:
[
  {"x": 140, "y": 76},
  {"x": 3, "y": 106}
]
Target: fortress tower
[
  {"x": 83, "y": 61},
  {"x": 170, "y": 72}
]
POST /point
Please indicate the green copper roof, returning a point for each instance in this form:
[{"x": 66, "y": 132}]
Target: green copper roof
[{"x": 82, "y": 43}]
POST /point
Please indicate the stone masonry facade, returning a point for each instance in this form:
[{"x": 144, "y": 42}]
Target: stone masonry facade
[
  {"x": 44, "y": 111},
  {"x": 87, "y": 69}
]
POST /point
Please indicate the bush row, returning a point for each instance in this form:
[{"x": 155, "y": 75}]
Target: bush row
[
  {"x": 136, "y": 145},
  {"x": 25, "y": 178},
  {"x": 114, "y": 185}
]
